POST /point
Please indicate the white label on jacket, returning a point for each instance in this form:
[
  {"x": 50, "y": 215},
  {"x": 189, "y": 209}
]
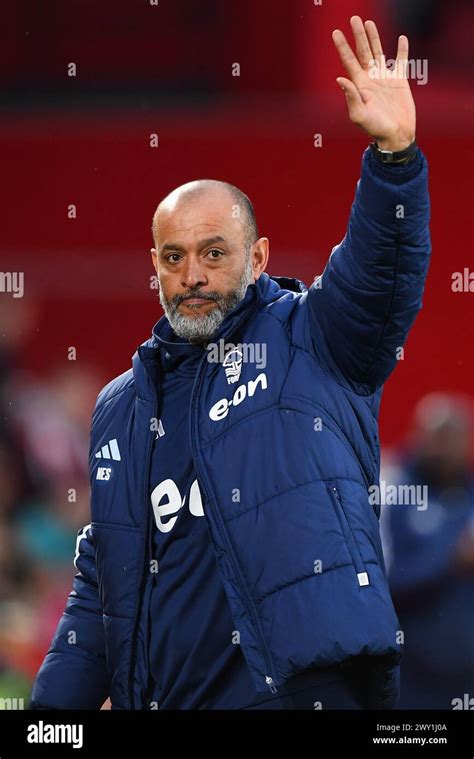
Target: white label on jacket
[{"x": 103, "y": 473}]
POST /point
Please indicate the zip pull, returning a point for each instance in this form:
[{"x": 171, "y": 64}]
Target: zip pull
[
  {"x": 269, "y": 682},
  {"x": 336, "y": 492}
]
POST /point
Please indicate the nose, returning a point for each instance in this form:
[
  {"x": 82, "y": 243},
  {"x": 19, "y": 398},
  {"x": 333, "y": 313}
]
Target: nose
[{"x": 193, "y": 274}]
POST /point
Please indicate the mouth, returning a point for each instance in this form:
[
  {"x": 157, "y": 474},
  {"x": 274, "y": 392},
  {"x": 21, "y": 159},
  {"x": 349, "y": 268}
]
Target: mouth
[{"x": 195, "y": 301}]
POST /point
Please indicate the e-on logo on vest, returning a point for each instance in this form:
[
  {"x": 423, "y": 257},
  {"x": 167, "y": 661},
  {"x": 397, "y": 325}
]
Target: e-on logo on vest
[{"x": 220, "y": 409}]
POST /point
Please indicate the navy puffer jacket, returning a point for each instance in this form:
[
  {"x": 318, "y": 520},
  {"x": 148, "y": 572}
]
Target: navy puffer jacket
[{"x": 285, "y": 454}]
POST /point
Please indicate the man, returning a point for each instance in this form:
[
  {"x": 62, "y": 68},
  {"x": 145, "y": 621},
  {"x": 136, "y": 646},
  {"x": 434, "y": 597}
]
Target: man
[
  {"x": 233, "y": 558},
  {"x": 430, "y": 535}
]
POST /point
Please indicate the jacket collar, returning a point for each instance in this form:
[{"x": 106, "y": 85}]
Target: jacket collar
[{"x": 258, "y": 294}]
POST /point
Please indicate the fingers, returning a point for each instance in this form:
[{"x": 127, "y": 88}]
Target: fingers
[
  {"x": 348, "y": 59},
  {"x": 364, "y": 52},
  {"x": 374, "y": 40},
  {"x": 402, "y": 51},
  {"x": 402, "y": 56},
  {"x": 368, "y": 48},
  {"x": 355, "y": 103}
]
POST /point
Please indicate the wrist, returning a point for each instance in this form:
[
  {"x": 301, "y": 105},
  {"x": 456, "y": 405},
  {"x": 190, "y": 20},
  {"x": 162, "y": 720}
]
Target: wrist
[
  {"x": 394, "y": 158},
  {"x": 395, "y": 143}
]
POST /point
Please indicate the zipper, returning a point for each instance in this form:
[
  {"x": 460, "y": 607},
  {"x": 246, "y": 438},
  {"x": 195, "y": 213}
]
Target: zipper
[
  {"x": 150, "y": 682},
  {"x": 269, "y": 678},
  {"x": 362, "y": 575},
  {"x": 145, "y": 564},
  {"x": 269, "y": 682}
]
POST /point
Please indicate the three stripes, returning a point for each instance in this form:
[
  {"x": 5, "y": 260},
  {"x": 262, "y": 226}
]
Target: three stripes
[{"x": 109, "y": 451}]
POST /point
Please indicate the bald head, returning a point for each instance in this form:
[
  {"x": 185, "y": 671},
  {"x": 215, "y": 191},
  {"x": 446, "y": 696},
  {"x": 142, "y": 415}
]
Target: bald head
[
  {"x": 207, "y": 251},
  {"x": 239, "y": 204}
]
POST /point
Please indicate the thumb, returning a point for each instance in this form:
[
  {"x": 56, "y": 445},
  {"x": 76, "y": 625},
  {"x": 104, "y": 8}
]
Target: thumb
[{"x": 353, "y": 97}]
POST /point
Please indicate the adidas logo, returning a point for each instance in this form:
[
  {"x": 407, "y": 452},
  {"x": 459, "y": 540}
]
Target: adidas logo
[{"x": 109, "y": 451}]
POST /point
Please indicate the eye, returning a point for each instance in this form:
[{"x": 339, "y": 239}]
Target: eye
[
  {"x": 214, "y": 250},
  {"x": 174, "y": 256}
]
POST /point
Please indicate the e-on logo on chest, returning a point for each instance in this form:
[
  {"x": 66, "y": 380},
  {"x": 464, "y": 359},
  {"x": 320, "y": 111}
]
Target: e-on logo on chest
[{"x": 220, "y": 409}]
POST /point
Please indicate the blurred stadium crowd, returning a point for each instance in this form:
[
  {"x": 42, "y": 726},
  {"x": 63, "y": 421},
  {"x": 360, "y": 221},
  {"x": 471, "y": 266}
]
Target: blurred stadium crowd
[{"x": 44, "y": 499}]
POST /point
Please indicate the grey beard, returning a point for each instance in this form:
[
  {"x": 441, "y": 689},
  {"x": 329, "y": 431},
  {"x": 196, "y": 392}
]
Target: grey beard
[{"x": 200, "y": 329}]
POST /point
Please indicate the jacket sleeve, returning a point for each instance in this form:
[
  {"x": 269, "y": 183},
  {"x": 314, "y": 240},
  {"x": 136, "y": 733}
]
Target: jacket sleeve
[
  {"x": 74, "y": 673},
  {"x": 361, "y": 308}
]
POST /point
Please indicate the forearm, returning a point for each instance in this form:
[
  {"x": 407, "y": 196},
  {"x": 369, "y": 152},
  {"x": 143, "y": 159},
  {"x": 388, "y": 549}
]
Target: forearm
[
  {"x": 74, "y": 672},
  {"x": 371, "y": 288},
  {"x": 389, "y": 223}
]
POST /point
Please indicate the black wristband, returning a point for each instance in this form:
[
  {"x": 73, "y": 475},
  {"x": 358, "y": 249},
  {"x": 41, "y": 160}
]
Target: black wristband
[{"x": 399, "y": 157}]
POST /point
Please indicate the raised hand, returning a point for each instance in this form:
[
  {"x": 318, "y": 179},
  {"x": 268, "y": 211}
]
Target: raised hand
[{"x": 379, "y": 100}]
